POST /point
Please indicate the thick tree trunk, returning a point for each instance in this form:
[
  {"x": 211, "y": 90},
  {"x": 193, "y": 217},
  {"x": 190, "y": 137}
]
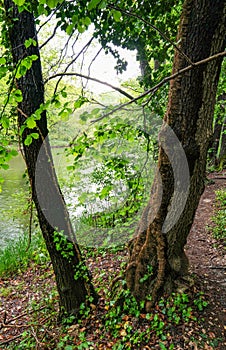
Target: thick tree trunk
[
  {"x": 157, "y": 256},
  {"x": 51, "y": 209}
]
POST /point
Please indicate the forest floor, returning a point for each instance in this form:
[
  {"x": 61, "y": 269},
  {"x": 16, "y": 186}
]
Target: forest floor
[{"x": 28, "y": 311}]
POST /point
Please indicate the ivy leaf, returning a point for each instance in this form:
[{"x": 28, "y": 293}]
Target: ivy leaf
[
  {"x": 31, "y": 123},
  {"x": 30, "y": 42},
  {"x": 28, "y": 140},
  {"x": 18, "y": 95},
  {"x": 35, "y": 135}
]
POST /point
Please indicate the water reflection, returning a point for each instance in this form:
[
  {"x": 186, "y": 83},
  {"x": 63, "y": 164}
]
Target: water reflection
[{"x": 14, "y": 190}]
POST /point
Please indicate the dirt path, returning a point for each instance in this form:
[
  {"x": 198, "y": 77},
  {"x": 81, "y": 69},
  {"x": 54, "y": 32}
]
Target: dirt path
[{"x": 207, "y": 259}]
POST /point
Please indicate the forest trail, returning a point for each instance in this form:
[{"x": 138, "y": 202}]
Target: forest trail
[{"x": 206, "y": 255}]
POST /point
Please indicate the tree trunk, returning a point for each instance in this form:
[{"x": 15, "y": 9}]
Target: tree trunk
[
  {"x": 218, "y": 142},
  {"x": 51, "y": 209},
  {"x": 145, "y": 68},
  {"x": 157, "y": 257}
]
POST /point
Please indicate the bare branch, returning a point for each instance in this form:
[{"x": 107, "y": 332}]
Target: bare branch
[
  {"x": 51, "y": 36},
  {"x": 70, "y": 63},
  {"x": 93, "y": 79}
]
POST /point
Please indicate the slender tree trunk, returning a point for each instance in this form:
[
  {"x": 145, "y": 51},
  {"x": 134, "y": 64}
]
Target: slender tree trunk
[
  {"x": 157, "y": 256},
  {"x": 51, "y": 209},
  {"x": 145, "y": 68},
  {"x": 218, "y": 142}
]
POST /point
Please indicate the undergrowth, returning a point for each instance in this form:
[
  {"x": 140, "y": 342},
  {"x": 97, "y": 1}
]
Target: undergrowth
[
  {"x": 219, "y": 218},
  {"x": 17, "y": 255},
  {"x": 176, "y": 322}
]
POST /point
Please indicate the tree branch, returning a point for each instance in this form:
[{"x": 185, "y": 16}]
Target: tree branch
[
  {"x": 93, "y": 79},
  {"x": 161, "y": 83}
]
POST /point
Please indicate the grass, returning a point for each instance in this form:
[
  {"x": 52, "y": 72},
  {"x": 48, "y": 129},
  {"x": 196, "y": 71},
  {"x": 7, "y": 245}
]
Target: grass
[
  {"x": 219, "y": 218},
  {"x": 16, "y": 256}
]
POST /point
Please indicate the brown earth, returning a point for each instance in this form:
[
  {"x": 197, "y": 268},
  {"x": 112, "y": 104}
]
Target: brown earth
[{"x": 207, "y": 264}]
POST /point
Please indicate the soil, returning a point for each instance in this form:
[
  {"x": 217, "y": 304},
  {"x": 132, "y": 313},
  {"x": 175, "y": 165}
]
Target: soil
[
  {"x": 206, "y": 256},
  {"x": 207, "y": 265}
]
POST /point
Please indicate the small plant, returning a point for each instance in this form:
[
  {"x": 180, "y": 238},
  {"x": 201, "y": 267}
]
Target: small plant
[
  {"x": 147, "y": 275},
  {"x": 65, "y": 247},
  {"x": 200, "y": 301},
  {"x": 219, "y": 219},
  {"x": 18, "y": 255}
]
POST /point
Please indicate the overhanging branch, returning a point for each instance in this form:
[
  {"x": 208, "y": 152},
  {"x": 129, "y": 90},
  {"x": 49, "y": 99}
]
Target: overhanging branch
[
  {"x": 161, "y": 83},
  {"x": 93, "y": 79}
]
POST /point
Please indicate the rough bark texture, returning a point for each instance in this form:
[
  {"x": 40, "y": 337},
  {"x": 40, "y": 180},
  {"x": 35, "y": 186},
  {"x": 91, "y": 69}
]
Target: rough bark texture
[
  {"x": 46, "y": 194},
  {"x": 161, "y": 238}
]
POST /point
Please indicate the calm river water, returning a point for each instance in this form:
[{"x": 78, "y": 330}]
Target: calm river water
[{"x": 14, "y": 196}]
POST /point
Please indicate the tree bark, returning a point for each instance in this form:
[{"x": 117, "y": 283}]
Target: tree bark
[
  {"x": 46, "y": 194},
  {"x": 157, "y": 257},
  {"x": 145, "y": 68}
]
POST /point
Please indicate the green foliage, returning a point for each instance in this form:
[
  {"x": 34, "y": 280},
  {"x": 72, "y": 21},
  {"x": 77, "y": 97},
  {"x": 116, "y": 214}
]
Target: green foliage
[
  {"x": 64, "y": 246},
  {"x": 200, "y": 302},
  {"x": 81, "y": 271},
  {"x": 24, "y": 65},
  {"x": 118, "y": 156},
  {"x": 147, "y": 275},
  {"x": 219, "y": 218},
  {"x": 16, "y": 256}
]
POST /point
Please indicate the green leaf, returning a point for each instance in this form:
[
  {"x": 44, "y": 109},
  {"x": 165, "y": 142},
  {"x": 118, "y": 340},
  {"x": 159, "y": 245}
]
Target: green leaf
[
  {"x": 105, "y": 191},
  {"x": 81, "y": 28},
  {"x": 2, "y": 60},
  {"x": 93, "y": 4},
  {"x": 102, "y": 5},
  {"x": 52, "y": 3},
  {"x": 28, "y": 140},
  {"x": 30, "y": 42},
  {"x": 18, "y": 95},
  {"x": 35, "y": 135},
  {"x": 19, "y": 2},
  {"x": 5, "y": 166},
  {"x": 64, "y": 115},
  {"x": 5, "y": 122},
  {"x": 117, "y": 15},
  {"x": 13, "y": 153},
  {"x": 25, "y": 64},
  {"x": 69, "y": 29},
  {"x": 87, "y": 21},
  {"x": 63, "y": 94},
  {"x": 80, "y": 101},
  {"x": 31, "y": 123}
]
